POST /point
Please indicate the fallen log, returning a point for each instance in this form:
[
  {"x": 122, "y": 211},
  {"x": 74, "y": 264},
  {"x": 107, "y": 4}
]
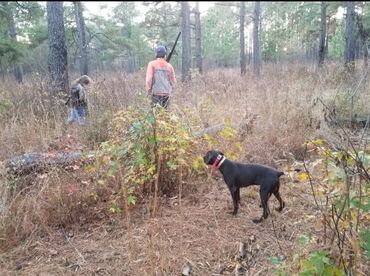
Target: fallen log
[
  {"x": 36, "y": 162},
  {"x": 210, "y": 130},
  {"x": 41, "y": 162}
]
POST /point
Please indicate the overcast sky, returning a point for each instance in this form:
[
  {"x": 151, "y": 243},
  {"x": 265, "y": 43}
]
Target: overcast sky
[{"x": 95, "y": 7}]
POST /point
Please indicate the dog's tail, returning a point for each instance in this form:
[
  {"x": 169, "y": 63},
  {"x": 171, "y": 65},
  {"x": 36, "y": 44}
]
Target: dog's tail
[{"x": 280, "y": 174}]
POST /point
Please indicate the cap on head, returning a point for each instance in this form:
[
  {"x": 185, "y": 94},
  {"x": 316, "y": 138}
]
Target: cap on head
[
  {"x": 160, "y": 51},
  {"x": 85, "y": 79}
]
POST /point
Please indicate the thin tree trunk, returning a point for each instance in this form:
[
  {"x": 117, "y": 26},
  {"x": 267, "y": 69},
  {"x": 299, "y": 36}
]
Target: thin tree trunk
[
  {"x": 357, "y": 47},
  {"x": 366, "y": 54},
  {"x": 322, "y": 35},
  {"x": 349, "y": 51},
  {"x": 57, "y": 59},
  {"x": 131, "y": 61},
  {"x": 198, "y": 39},
  {"x": 363, "y": 36},
  {"x": 327, "y": 45},
  {"x": 242, "y": 39},
  {"x": 186, "y": 50},
  {"x": 256, "y": 39},
  {"x": 82, "y": 45},
  {"x": 13, "y": 36}
]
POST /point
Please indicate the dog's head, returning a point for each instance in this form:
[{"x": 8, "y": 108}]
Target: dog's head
[{"x": 211, "y": 156}]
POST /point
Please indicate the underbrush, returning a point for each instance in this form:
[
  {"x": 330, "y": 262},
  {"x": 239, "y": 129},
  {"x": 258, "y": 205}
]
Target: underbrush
[{"x": 149, "y": 154}]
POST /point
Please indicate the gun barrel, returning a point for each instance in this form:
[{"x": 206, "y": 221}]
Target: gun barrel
[{"x": 173, "y": 48}]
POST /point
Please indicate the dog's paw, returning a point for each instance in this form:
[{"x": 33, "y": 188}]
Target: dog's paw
[
  {"x": 257, "y": 220},
  {"x": 280, "y": 208},
  {"x": 233, "y": 213}
]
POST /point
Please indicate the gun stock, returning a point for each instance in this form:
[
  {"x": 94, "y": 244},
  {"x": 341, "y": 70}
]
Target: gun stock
[
  {"x": 69, "y": 98},
  {"x": 173, "y": 48}
]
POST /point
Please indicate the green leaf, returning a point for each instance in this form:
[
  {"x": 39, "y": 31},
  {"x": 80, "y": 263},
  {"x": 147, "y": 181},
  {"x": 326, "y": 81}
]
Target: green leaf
[
  {"x": 276, "y": 260},
  {"x": 365, "y": 242},
  {"x": 354, "y": 202},
  {"x": 5, "y": 104},
  {"x": 332, "y": 271},
  {"x": 122, "y": 152},
  {"x": 151, "y": 119},
  {"x": 366, "y": 206},
  {"x": 171, "y": 164},
  {"x": 308, "y": 268},
  {"x": 319, "y": 264},
  {"x": 320, "y": 259},
  {"x": 115, "y": 209},
  {"x": 131, "y": 199},
  {"x": 112, "y": 168},
  {"x": 304, "y": 240}
]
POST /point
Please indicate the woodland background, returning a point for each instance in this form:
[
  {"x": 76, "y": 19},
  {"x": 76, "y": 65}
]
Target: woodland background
[{"x": 280, "y": 83}]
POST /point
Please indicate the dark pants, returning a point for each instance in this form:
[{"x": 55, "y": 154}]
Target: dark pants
[{"x": 161, "y": 100}]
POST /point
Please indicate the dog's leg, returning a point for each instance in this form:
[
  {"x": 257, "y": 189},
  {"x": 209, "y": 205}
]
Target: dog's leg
[
  {"x": 269, "y": 195},
  {"x": 278, "y": 197},
  {"x": 264, "y": 194},
  {"x": 281, "y": 201},
  {"x": 238, "y": 194},
  {"x": 234, "y": 195}
]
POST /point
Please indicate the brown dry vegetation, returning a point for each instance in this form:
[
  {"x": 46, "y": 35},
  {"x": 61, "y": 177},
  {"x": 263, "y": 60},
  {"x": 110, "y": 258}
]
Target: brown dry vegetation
[{"x": 60, "y": 223}]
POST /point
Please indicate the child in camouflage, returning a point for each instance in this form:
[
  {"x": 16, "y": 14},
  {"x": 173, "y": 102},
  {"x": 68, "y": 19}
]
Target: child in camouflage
[{"x": 77, "y": 100}]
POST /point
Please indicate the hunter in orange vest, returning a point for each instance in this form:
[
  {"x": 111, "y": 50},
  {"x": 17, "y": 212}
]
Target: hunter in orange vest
[{"x": 160, "y": 78}]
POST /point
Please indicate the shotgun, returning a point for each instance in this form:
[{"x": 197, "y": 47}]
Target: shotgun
[
  {"x": 69, "y": 98},
  {"x": 173, "y": 48}
]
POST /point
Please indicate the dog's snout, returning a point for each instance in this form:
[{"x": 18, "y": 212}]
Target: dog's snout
[{"x": 206, "y": 158}]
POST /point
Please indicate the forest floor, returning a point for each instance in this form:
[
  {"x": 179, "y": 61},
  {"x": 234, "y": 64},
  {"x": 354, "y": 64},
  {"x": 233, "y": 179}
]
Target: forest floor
[
  {"x": 277, "y": 113},
  {"x": 197, "y": 230}
]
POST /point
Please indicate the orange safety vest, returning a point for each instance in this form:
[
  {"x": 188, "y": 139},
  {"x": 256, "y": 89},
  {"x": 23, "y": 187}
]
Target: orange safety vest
[{"x": 160, "y": 77}]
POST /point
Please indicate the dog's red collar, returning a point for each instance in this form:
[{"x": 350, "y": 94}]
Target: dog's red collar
[{"x": 218, "y": 162}]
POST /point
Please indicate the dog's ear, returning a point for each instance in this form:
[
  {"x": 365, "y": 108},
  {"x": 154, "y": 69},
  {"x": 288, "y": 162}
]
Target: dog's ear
[
  {"x": 207, "y": 157},
  {"x": 220, "y": 152}
]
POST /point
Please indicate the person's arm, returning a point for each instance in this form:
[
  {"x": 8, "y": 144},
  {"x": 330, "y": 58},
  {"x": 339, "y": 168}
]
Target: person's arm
[
  {"x": 149, "y": 79},
  {"x": 172, "y": 76},
  {"x": 81, "y": 93}
]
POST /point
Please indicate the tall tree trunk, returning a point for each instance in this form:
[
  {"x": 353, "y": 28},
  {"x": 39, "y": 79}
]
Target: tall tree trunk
[
  {"x": 198, "y": 39},
  {"x": 82, "y": 45},
  {"x": 322, "y": 35},
  {"x": 13, "y": 36},
  {"x": 366, "y": 54},
  {"x": 256, "y": 39},
  {"x": 357, "y": 47},
  {"x": 242, "y": 39},
  {"x": 364, "y": 35},
  {"x": 186, "y": 50},
  {"x": 57, "y": 59},
  {"x": 131, "y": 61},
  {"x": 350, "y": 35}
]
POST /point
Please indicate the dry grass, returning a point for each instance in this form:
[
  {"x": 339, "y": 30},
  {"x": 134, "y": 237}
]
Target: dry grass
[
  {"x": 59, "y": 223},
  {"x": 196, "y": 230}
]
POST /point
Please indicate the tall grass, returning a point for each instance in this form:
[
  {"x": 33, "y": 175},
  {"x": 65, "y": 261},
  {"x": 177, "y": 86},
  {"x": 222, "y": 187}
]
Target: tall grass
[{"x": 276, "y": 114}]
